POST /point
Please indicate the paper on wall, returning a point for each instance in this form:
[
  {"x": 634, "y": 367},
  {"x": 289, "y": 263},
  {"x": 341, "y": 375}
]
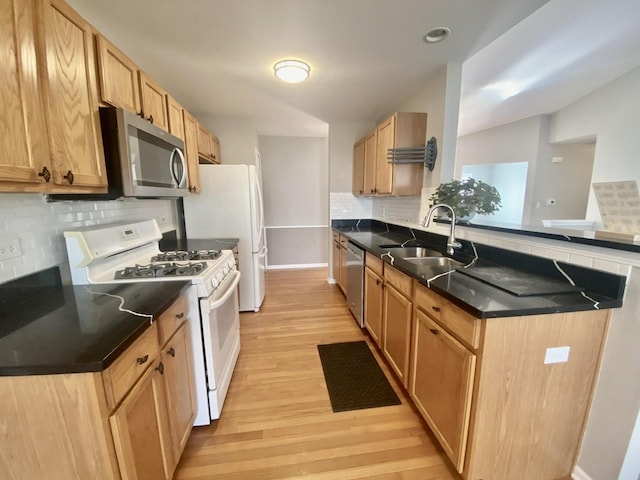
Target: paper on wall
[{"x": 619, "y": 205}]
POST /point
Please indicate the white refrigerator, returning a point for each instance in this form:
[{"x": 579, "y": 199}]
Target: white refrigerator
[{"x": 230, "y": 205}]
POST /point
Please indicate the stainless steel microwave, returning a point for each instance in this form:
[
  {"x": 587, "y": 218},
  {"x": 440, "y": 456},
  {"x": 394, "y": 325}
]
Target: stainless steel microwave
[{"x": 142, "y": 159}]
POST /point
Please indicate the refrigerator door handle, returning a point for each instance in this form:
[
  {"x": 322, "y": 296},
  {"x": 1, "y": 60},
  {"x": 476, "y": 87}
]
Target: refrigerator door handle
[
  {"x": 260, "y": 211},
  {"x": 263, "y": 252}
]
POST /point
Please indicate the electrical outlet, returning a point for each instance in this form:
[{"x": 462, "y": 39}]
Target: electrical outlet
[
  {"x": 10, "y": 248},
  {"x": 556, "y": 355}
]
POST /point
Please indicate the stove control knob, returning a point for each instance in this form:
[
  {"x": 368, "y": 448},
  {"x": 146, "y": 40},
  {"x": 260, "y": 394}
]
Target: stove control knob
[
  {"x": 219, "y": 277},
  {"x": 231, "y": 263},
  {"x": 225, "y": 269},
  {"x": 215, "y": 282}
]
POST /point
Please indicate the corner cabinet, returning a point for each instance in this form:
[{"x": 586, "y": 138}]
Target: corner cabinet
[
  {"x": 379, "y": 176},
  {"x": 191, "y": 150},
  {"x": 130, "y": 421}
]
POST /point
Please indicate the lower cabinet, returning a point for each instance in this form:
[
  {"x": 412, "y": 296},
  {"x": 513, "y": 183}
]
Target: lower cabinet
[
  {"x": 140, "y": 429},
  {"x": 181, "y": 401},
  {"x": 373, "y": 298},
  {"x": 396, "y": 321},
  {"x": 130, "y": 421},
  {"x": 339, "y": 263},
  {"x": 441, "y": 384},
  {"x": 485, "y": 387}
]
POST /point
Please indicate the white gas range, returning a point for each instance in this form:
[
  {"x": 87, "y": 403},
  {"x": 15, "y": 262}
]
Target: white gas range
[{"x": 130, "y": 253}]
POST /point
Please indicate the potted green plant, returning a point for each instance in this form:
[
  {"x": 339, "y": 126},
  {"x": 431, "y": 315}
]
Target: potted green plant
[{"x": 467, "y": 197}]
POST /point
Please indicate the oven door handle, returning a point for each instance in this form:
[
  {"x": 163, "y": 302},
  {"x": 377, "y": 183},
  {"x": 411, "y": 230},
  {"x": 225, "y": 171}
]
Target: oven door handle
[{"x": 230, "y": 289}]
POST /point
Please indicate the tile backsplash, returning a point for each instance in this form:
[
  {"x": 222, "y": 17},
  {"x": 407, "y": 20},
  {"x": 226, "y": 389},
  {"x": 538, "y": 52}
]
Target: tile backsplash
[{"x": 38, "y": 226}]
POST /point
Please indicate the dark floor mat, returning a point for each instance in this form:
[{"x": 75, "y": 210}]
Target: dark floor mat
[{"x": 354, "y": 378}]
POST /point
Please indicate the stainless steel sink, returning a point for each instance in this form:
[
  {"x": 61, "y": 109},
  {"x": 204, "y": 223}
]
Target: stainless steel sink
[
  {"x": 411, "y": 252},
  {"x": 434, "y": 261}
]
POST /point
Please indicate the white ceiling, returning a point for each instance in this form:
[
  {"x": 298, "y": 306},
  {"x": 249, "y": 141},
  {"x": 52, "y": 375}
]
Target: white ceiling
[{"x": 367, "y": 56}]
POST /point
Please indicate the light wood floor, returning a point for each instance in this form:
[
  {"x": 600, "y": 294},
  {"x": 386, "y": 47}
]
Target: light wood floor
[{"x": 277, "y": 421}]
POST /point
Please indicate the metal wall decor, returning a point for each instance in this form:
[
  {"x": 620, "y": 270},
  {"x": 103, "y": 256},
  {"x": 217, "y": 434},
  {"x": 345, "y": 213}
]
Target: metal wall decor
[{"x": 426, "y": 154}]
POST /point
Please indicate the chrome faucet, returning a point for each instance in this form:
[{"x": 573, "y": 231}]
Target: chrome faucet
[{"x": 452, "y": 243}]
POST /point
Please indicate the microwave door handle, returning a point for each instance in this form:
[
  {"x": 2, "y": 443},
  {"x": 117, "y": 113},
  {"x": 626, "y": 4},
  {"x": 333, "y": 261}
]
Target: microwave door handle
[{"x": 172, "y": 164}]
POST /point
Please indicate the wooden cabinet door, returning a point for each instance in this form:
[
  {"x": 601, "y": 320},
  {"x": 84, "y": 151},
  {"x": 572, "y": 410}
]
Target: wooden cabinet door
[
  {"x": 176, "y": 118},
  {"x": 141, "y": 431},
  {"x": 204, "y": 141},
  {"x": 72, "y": 99},
  {"x": 191, "y": 151},
  {"x": 370, "y": 144},
  {"x": 384, "y": 169},
  {"x": 215, "y": 149},
  {"x": 179, "y": 389},
  {"x": 373, "y": 305},
  {"x": 343, "y": 269},
  {"x": 441, "y": 385},
  {"x": 119, "y": 82},
  {"x": 336, "y": 263},
  {"x": 154, "y": 104},
  {"x": 24, "y": 150},
  {"x": 357, "y": 186},
  {"x": 397, "y": 331}
]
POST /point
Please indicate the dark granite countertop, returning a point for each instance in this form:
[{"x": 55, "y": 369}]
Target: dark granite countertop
[
  {"x": 477, "y": 297},
  {"x": 170, "y": 244},
  {"x": 48, "y": 328}
]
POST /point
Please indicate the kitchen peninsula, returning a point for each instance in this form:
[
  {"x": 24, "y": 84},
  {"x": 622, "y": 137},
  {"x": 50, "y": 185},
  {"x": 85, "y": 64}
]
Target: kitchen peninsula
[{"x": 503, "y": 379}]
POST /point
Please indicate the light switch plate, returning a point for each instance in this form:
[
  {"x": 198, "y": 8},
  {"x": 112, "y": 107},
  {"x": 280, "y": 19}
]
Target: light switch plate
[{"x": 556, "y": 355}]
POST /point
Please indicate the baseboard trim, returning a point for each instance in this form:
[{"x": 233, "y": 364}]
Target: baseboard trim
[
  {"x": 579, "y": 474},
  {"x": 297, "y": 266}
]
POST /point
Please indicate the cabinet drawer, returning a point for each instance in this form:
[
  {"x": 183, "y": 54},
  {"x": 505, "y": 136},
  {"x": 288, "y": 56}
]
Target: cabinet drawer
[
  {"x": 344, "y": 240},
  {"x": 171, "y": 319},
  {"x": 130, "y": 365},
  {"x": 428, "y": 301},
  {"x": 458, "y": 322},
  {"x": 399, "y": 280},
  {"x": 374, "y": 263}
]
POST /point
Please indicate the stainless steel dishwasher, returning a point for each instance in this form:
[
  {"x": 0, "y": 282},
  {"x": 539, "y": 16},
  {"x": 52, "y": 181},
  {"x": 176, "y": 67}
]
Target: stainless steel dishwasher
[{"x": 355, "y": 281}]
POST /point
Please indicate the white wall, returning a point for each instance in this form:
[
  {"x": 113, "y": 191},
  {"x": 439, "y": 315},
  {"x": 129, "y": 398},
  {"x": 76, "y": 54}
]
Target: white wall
[
  {"x": 238, "y": 138},
  {"x": 39, "y": 226},
  {"x": 611, "y": 115},
  {"x": 296, "y": 191}
]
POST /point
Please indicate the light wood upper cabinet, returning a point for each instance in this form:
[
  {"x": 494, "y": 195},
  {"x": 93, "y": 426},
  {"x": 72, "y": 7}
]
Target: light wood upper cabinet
[
  {"x": 208, "y": 146},
  {"x": 71, "y": 99},
  {"x": 402, "y": 129},
  {"x": 153, "y": 100},
  {"x": 441, "y": 385},
  {"x": 191, "y": 150},
  {"x": 119, "y": 77},
  {"x": 176, "y": 118},
  {"x": 215, "y": 149},
  {"x": 204, "y": 141},
  {"x": 24, "y": 150},
  {"x": 384, "y": 169},
  {"x": 358, "y": 168},
  {"x": 370, "y": 142}
]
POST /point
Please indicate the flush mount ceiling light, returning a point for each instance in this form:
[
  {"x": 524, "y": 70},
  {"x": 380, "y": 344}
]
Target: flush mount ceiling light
[
  {"x": 292, "y": 71},
  {"x": 437, "y": 34}
]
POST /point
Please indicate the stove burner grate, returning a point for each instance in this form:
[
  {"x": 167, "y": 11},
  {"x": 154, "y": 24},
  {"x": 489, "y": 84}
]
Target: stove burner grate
[
  {"x": 180, "y": 255},
  {"x": 154, "y": 270}
]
